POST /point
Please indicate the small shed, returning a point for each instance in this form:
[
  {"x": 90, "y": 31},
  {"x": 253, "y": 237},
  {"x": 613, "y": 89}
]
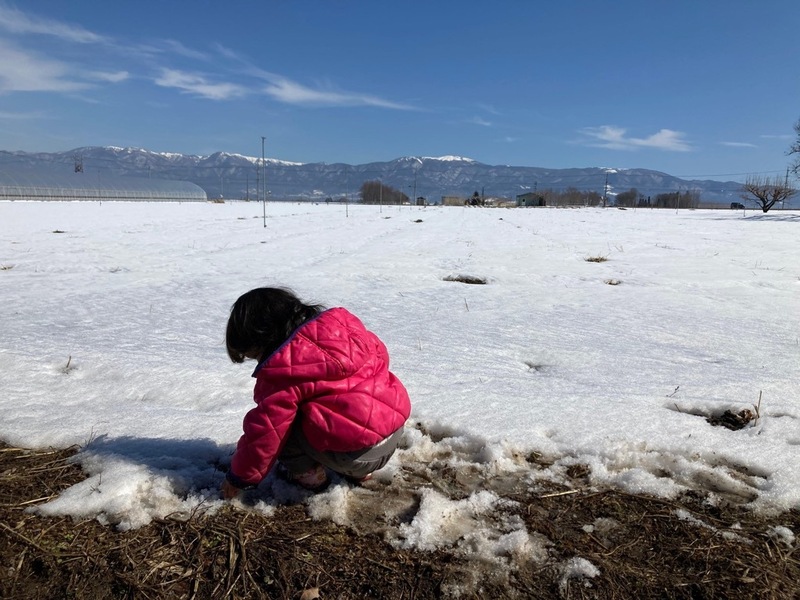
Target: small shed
[{"x": 531, "y": 199}]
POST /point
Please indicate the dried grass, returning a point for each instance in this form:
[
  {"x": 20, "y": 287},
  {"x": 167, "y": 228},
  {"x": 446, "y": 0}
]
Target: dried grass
[
  {"x": 469, "y": 279},
  {"x": 639, "y": 544}
]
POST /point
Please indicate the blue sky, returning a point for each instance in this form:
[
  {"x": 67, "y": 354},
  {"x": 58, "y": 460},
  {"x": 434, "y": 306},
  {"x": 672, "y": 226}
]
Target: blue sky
[{"x": 701, "y": 88}]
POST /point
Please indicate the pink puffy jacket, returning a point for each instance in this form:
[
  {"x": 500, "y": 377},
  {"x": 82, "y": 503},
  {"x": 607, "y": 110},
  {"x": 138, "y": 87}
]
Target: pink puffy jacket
[{"x": 332, "y": 375}]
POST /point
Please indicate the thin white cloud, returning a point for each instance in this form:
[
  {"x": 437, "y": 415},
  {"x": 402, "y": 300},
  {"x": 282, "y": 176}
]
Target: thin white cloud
[
  {"x": 614, "y": 138},
  {"x": 115, "y": 77},
  {"x": 489, "y": 109},
  {"x": 182, "y": 50},
  {"x": 23, "y": 116},
  {"x": 155, "y": 50},
  {"x": 738, "y": 145},
  {"x": 198, "y": 85},
  {"x": 18, "y": 22},
  {"x": 23, "y": 71},
  {"x": 287, "y": 91},
  {"x": 228, "y": 53},
  {"x": 479, "y": 121},
  {"x": 291, "y": 92}
]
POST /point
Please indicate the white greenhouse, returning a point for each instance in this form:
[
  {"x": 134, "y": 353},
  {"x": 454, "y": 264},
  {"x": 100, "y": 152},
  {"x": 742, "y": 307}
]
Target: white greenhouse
[{"x": 35, "y": 185}]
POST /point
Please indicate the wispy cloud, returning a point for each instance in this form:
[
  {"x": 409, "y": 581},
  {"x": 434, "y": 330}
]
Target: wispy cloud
[
  {"x": 33, "y": 66},
  {"x": 291, "y": 92},
  {"x": 21, "y": 116},
  {"x": 479, "y": 121},
  {"x": 17, "y": 22},
  {"x": 114, "y": 77},
  {"x": 154, "y": 51},
  {"x": 738, "y": 144},
  {"x": 199, "y": 85},
  {"x": 228, "y": 53},
  {"x": 180, "y": 49},
  {"x": 489, "y": 109},
  {"x": 285, "y": 90},
  {"x": 615, "y": 138},
  {"x": 275, "y": 86},
  {"x": 24, "y": 71}
]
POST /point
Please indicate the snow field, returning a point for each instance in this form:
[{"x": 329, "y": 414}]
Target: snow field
[{"x": 112, "y": 337}]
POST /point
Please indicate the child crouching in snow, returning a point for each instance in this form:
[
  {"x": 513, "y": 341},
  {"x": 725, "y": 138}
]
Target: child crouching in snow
[{"x": 324, "y": 394}]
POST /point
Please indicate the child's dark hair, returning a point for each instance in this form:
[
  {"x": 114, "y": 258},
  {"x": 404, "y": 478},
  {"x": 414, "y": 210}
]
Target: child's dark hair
[{"x": 262, "y": 319}]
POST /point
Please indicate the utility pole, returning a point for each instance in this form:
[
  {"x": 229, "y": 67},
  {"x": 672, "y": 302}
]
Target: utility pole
[
  {"x": 264, "y": 169},
  {"x": 786, "y": 185},
  {"x": 605, "y": 191}
]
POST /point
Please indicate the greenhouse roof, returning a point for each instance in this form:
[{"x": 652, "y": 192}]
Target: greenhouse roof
[{"x": 38, "y": 185}]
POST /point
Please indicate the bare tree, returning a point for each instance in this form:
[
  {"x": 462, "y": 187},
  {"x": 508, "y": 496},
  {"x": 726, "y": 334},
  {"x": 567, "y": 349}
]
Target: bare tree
[
  {"x": 688, "y": 199},
  {"x": 768, "y": 191},
  {"x": 795, "y": 149},
  {"x": 375, "y": 192},
  {"x": 628, "y": 198}
]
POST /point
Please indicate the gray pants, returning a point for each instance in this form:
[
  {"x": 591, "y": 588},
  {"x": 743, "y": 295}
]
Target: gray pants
[{"x": 298, "y": 455}]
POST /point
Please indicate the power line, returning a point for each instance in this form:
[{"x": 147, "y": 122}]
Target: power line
[{"x": 727, "y": 174}]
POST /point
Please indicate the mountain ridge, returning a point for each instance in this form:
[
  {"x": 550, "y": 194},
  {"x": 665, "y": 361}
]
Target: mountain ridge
[{"x": 236, "y": 176}]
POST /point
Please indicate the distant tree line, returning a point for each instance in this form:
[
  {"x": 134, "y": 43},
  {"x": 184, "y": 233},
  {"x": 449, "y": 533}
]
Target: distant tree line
[
  {"x": 570, "y": 197},
  {"x": 689, "y": 199},
  {"x": 375, "y": 192},
  {"x": 632, "y": 198}
]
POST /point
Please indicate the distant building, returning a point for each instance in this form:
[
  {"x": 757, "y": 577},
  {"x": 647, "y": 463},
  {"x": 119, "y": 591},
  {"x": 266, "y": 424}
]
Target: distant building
[
  {"x": 39, "y": 185},
  {"x": 531, "y": 199},
  {"x": 453, "y": 201}
]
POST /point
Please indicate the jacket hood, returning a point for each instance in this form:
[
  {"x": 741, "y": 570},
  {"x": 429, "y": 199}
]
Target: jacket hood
[{"x": 333, "y": 345}]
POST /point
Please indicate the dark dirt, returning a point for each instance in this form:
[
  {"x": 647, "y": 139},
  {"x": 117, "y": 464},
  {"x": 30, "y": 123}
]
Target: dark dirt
[{"x": 642, "y": 547}]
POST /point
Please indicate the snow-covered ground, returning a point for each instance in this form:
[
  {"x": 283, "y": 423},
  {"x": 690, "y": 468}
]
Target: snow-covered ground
[{"x": 112, "y": 337}]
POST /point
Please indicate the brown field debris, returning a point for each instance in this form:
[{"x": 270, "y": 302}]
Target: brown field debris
[{"x": 641, "y": 547}]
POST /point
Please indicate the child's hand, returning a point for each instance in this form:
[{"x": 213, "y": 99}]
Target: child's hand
[{"x": 230, "y": 491}]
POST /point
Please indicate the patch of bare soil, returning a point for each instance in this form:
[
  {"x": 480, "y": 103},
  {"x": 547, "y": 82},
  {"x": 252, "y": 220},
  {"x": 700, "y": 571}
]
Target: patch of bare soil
[{"x": 601, "y": 544}]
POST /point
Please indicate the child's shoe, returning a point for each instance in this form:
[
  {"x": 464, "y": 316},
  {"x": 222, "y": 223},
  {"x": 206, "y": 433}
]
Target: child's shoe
[
  {"x": 357, "y": 480},
  {"x": 313, "y": 480}
]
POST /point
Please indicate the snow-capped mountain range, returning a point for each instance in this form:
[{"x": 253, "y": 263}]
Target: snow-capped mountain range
[{"x": 235, "y": 176}]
